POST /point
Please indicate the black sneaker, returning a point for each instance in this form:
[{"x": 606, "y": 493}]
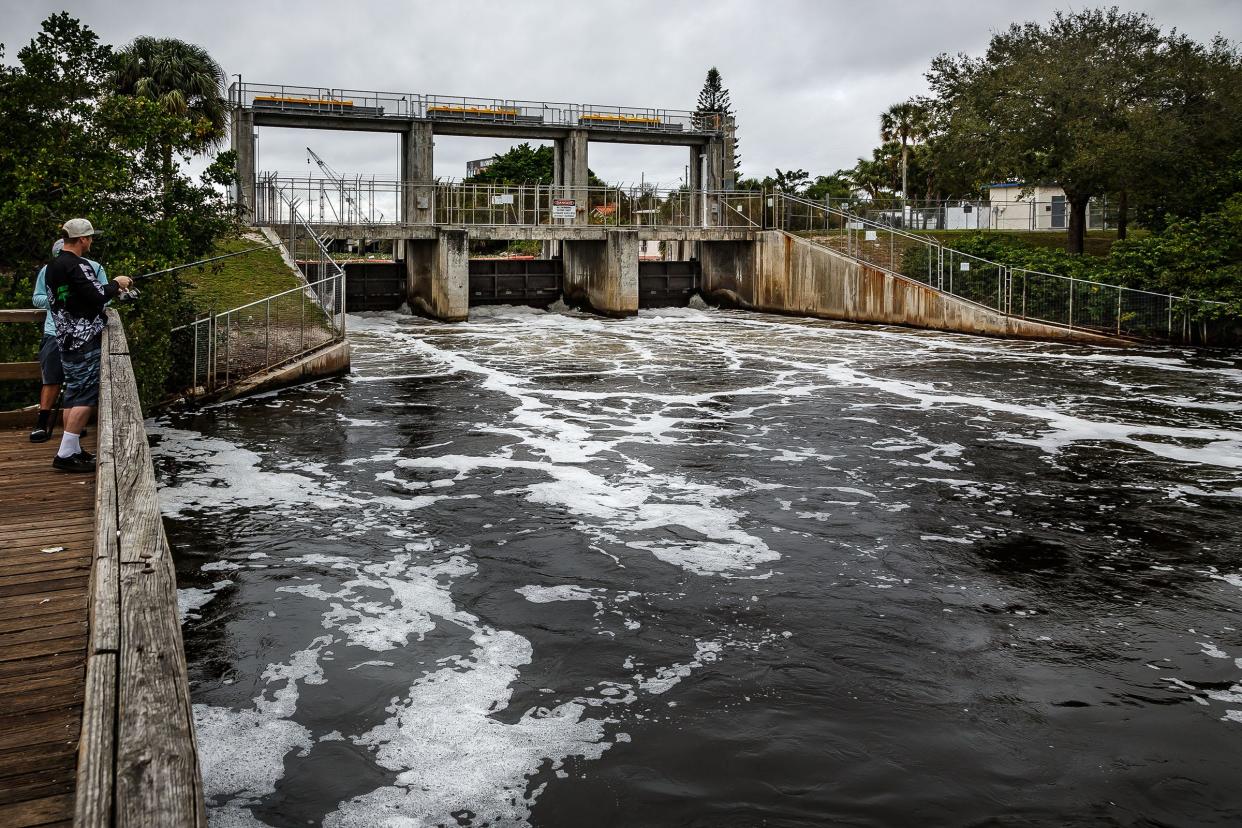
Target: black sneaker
[
  {"x": 85, "y": 455},
  {"x": 75, "y": 463},
  {"x": 39, "y": 435}
]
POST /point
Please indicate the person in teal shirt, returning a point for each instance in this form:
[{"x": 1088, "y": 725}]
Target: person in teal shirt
[{"x": 49, "y": 351}]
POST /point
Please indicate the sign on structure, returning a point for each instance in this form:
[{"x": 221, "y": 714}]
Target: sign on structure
[
  {"x": 507, "y": 198},
  {"x": 564, "y": 208}
]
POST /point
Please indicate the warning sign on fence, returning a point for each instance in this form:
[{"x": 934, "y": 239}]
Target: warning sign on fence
[{"x": 564, "y": 208}]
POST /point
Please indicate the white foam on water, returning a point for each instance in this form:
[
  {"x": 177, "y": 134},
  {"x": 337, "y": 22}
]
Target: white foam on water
[
  {"x": 191, "y": 599},
  {"x": 546, "y": 595},
  {"x": 242, "y": 752},
  {"x": 230, "y": 477}
]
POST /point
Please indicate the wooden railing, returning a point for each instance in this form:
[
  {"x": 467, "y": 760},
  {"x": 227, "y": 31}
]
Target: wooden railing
[
  {"x": 20, "y": 370},
  {"x": 137, "y": 758}
]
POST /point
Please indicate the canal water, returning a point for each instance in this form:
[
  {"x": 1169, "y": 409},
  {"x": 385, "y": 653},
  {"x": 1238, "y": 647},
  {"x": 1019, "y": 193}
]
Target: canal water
[{"x": 705, "y": 568}]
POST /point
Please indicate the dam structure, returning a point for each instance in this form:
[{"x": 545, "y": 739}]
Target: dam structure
[{"x": 756, "y": 250}]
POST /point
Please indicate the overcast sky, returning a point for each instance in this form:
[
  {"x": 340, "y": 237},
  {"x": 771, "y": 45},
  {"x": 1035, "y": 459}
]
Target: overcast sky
[{"x": 807, "y": 79}]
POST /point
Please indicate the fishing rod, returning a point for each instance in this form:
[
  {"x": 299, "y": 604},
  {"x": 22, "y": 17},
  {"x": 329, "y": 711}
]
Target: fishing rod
[{"x": 132, "y": 293}]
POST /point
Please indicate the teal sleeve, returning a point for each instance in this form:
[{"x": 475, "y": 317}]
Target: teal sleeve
[{"x": 40, "y": 291}]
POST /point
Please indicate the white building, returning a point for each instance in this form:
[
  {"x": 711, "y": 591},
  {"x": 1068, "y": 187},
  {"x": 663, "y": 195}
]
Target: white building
[{"x": 1043, "y": 208}]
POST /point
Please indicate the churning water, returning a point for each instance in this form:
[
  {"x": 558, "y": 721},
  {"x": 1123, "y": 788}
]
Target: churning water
[{"x": 712, "y": 568}]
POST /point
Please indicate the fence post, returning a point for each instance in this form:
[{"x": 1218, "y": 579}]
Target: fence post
[
  {"x": 1071, "y": 301},
  {"x": 267, "y": 333},
  {"x": 1119, "y": 290}
]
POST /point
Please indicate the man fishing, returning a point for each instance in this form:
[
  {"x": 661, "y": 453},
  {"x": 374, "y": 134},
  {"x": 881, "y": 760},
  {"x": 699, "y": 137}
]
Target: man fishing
[
  {"x": 76, "y": 300},
  {"x": 49, "y": 351}
]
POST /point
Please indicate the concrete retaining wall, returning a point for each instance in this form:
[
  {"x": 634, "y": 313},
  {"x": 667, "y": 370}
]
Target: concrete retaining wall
[
  {"x": 781, "y": 273},
  {"x": 328, "y": 361}
]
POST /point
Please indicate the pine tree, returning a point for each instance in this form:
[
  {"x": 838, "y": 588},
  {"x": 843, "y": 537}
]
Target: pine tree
[{"x": 715, "y": 109}]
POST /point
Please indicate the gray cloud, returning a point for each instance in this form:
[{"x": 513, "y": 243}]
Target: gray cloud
[{"x": 808, "y": 79}]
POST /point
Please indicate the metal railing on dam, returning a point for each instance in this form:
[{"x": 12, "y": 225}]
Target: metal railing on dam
[
  {"x": 338, "y": 102},
  {"x": 1014, "y": 291},
  {"x": 382, "y": 202}
]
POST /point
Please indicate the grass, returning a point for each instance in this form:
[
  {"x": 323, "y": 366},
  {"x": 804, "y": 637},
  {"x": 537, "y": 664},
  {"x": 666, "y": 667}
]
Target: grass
[{"x": 227, "y": 284}]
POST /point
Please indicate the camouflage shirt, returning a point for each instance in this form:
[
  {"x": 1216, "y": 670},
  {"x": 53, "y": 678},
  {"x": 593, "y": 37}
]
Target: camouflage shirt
[{"x": 76, "y": 301}]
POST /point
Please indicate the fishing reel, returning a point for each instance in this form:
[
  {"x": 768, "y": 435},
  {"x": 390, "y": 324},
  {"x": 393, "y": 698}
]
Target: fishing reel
[{"x": 128, "y": 295}]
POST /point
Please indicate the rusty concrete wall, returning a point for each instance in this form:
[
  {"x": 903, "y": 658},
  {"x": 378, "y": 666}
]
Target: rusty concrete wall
[
  {"x": 603, "y": 275},
  {"x": 328, "y": 361},
  {"x": 781, "y": 273},
  {"x": 437, "y": 275}
]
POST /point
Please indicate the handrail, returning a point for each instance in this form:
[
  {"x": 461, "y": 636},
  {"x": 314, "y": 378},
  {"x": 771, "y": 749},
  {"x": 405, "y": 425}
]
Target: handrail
[
  {"x": 238, "y": 343},
  {"x": 137, "y": 754},
  {"x": 1021, "y": 293},
  {"x": 928, "y": 240}
]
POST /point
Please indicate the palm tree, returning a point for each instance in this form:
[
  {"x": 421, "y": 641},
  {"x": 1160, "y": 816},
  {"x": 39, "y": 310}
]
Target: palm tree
[
  {"x": 905, "y": 122},
  {"x": 182, "y": 78}
]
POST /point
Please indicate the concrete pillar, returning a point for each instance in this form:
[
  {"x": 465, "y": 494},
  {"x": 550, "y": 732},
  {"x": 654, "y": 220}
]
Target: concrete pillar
[
  {"x": 437, "y": 275},
  {"x": 243, "y": 144},
  {"x": 417, "y": 174},
  {"x": 574, "y": 172},
  {"x": 603, "y": 275},
  {"x": 728, "y": 180}
]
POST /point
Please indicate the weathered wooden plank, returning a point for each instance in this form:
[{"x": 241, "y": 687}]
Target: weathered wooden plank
[
  {"x": 114, "y": 340},
  {"x": 20, "y": 371},
  {"x": 39, "y": 812},
  {"x": 40, "y": 582},
  {"x": 47, "y": 727},
  {"x": 46, "y": 564},
  {"x": 96, "y": 779},
  {"x": 22, "y": 315},
  {"x": 138, "y": 512},
  {"x": 106, "y": 573},
  {"x": 44, "y": 615},
  {"x": 157, "y": 779},
  {"x": 19, "y": 667},
  {"x": 45, "y": 759},
  {"x": 44, "y": 631},
  {"x": 32, "y": 786}
]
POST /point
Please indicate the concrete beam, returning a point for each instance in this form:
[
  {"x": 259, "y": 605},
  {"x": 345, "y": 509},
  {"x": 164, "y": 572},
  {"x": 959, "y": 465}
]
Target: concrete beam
[
  {"x": 242, "y": 140},
  {"x": 603, "y": 275},
  {"x": 481, "y": 129},
  {"x": 437, "y": 275}
]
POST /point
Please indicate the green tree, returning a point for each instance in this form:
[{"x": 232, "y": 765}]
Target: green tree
[
  {"x": 525, "y": 164},
  {"x": 1071, "y": 103},
  {"x": 905, "y": 123},
  {"x": 791, "y": 182},
  {"x": 184, "y": 80},
  {"x": 715, "y": 110},
  {"x": 71, "y": 149}
]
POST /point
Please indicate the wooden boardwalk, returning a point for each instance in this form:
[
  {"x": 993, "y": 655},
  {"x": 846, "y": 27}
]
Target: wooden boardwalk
[
  {"x": 47, "y": 538},
  {"x": 96, "y": 727}
]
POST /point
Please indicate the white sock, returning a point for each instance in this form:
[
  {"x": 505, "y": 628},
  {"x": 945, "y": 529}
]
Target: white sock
[{"x": 69, "y": 445}]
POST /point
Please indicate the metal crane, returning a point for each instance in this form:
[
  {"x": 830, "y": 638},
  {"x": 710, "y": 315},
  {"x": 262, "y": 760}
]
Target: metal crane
[{"x": 337, "y": 179}]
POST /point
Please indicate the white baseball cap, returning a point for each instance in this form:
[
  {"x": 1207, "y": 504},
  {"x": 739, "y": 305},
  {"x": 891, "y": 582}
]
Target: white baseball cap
[{"x": 77, "y": 228}]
